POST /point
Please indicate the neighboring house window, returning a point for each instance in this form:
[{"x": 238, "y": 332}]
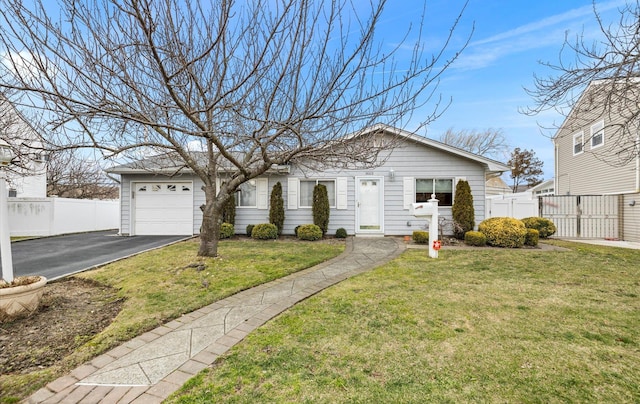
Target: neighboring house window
[
  {"x": 246, "y": 196},
  {"x": 13, "y": 193},
  {"x": 578, "y": 143},
  {"x": 597, "y": 135},
  {"x": 306, "y": 192},
  {"x": 442, "y": 188}
]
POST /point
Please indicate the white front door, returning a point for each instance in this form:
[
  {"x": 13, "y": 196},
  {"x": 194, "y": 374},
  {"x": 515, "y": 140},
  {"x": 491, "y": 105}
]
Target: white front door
[{"x": 369, "y": 205}]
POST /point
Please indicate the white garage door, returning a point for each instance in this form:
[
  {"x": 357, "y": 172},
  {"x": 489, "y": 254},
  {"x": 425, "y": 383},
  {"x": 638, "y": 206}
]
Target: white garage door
[{"x": 163, "y": 208}]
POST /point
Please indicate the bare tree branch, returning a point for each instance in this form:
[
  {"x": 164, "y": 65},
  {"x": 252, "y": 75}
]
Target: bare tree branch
[
  {"x": 612, "y": 67},
  {"x": 490, "y": 142},
  {"x": 256, "y": 83}
]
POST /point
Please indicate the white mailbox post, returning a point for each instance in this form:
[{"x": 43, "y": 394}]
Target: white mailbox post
[{"x": 429, "y": 211}]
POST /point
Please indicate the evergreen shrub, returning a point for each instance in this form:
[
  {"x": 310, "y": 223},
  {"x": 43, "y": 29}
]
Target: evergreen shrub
[
  {"x": 532, "y": 237},
  {"x": 310, "y": 232},
  {"x": 546, "y": 228},
  {"x": 320, "y": 207},
  {"x": 229, "y": 211},
  {"x": 462, "y": 210},
  {"x": 227, "y": 230},
  {"x": 276, "y": 209},
  {"x": 503, "y": 232},
  {"x": 264, "y": 231},
  {"x": 475, "y": 238},
  {"x": 421, "y": 237},
  {"x": 249, "y": 229},
  {"x": 341, "y": 233}
]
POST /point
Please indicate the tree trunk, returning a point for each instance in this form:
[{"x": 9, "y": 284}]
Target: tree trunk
[{"x": 211, "y": 222}]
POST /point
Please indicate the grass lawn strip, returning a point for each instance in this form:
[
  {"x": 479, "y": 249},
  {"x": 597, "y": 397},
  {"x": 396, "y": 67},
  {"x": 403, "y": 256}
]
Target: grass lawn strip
[
  {"x": 471, "y": 326},
  {"x": 163, "y": 284}
]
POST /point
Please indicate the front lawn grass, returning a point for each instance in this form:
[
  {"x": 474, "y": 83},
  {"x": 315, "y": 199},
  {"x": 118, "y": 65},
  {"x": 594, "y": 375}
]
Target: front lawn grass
[
  {"x": 160, "y": 285},
  {"x": 480, "y": 325}
]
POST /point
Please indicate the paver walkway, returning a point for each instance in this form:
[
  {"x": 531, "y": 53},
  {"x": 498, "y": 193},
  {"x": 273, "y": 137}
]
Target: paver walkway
[{"x": 150, "y": 367}]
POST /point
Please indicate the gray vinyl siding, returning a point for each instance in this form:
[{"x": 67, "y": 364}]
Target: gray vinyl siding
[
  {"x": 416, "y": 161},
  {"x": 631, "y": 217},
  {"x": 409, "y": 159},
  {"x": 587, "y": 173}
]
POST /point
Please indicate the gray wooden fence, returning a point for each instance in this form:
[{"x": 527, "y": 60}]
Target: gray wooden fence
[{"x": 583, "y": 216}]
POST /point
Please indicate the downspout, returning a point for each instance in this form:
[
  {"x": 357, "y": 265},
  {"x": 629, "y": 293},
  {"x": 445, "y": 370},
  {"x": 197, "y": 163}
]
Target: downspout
[{"x": 638, "y": 162}]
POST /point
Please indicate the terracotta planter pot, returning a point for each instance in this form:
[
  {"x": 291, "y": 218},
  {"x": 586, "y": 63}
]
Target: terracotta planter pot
[{"x": 21, "y": 300}]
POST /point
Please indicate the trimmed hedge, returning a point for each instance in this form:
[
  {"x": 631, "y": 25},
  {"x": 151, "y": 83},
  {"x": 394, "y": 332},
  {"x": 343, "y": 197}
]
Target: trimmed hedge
[
  {"x": 475, "y": 238},
  {"x": 227, "y": 230},
  {"x": 532, "y": 237},
  {"x": 420, "y": 237},
  {"x": 503, "y": 232},
  {"x": 265, "y": 231},
  {"x": 341, "y": 233},
  {"x": 310, "y": 232},
  {"x": 546, "y": 228}
]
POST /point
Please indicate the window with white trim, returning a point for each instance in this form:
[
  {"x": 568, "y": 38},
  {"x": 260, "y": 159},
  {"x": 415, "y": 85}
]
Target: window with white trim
[
  {"x": 441, "y": 187},
  {"x": 597, "y": 135},
  {"x": 578, "y": 143},
  {"x": 306, "y": 192},
  {"x": 246, "y": 195}
]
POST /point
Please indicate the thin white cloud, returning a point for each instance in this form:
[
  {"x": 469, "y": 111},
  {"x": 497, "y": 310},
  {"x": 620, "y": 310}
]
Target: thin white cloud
[{"x": 534, "y": 35}]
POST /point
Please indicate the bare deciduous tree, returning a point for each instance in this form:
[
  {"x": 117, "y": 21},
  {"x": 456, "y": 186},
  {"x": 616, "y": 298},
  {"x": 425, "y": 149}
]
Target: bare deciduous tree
[
  {"x": 611, "y": 66},
  {"x": 525, "y": 168},
  {"x": 70, "y": 175},
  {"x": 257, "y": 83},
  {"x": 490, "y": 142}
]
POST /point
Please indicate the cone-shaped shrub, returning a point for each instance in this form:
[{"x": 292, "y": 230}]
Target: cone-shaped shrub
[
  {"x": 320, "y": 208},
  {"x": 276, "y": 211},
  {"x": 229, "y": 211},
  {"x": 462, "y": 210}
]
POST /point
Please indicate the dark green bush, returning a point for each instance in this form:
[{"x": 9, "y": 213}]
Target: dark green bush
[
  {"x": 532, "y": 237},
  {"x": 475, "y": 238},
  {"x": 462, "y": 210},
  {"x": 310, "y": 232},
  {"x": 227, "y": 230},
  {"x": 265, "y": 231},
  {"x": 249, "y": 229},
  {"x": 320, "y": 208},
  {"x": 503, "y": 232},
  {"x": 545, "y": 227},
  {"x": 421, "y": 237},
  {"x": 229, "y": 211},
  {"x": 341, "y": 233},
  {"x": 276, "y": 210}
]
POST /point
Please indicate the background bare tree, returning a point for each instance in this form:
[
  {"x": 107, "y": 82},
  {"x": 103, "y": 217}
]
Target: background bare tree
[
  {"x": 526, "y": 168},
  {"x": 70, "y": 175},
  {"x": 611, "y": 66},
  {"x": 26, "y": 144},
  {"x": 489, "y": 143},
  {"x": 257, "y": 83}
]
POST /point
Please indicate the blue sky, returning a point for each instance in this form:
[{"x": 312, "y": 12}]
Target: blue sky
[{"x": 487, "y": 82}]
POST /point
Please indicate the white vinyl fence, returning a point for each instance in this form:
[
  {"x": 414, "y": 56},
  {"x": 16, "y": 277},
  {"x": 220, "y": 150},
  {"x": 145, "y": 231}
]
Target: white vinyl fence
[
  {"x": 53, "y": 216},
  {"x": 518, "y": 206}
]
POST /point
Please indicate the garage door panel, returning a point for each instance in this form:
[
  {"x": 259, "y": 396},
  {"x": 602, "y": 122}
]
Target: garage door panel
[{"x": 163, "y": 208}]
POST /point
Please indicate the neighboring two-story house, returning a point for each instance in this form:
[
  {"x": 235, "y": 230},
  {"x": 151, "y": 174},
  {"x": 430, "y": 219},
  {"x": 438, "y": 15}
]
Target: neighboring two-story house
[
  {"x": 597, "y": 152},
  {"x": 27, "y": 175},
  {"x": 596, "y": 148}
]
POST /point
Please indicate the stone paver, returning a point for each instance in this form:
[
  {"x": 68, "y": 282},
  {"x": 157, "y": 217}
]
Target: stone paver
[{"x": 153, "y": 365}]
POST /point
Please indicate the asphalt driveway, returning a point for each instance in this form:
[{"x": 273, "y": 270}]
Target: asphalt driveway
[{"x": 55, "y": 257}]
